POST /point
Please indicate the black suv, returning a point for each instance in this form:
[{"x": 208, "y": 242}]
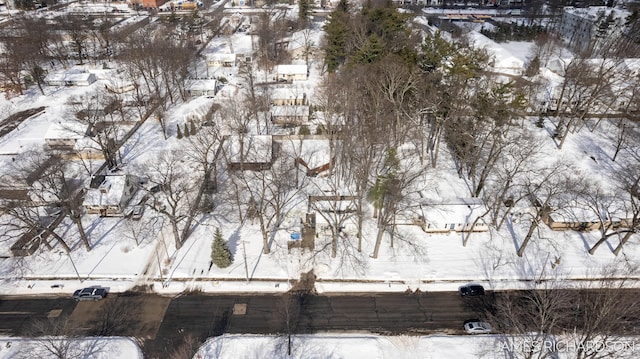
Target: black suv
[
  {"x": 471, "y": 290},
  {"x": 90, "y": 293}
]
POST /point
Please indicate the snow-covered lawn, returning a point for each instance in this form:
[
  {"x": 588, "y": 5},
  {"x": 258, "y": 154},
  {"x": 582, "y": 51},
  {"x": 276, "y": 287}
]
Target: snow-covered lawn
[
  {"x": 121, "y": 258},
  {"x": 45, "y": 348},
  {"x": 373, "y": 347}
]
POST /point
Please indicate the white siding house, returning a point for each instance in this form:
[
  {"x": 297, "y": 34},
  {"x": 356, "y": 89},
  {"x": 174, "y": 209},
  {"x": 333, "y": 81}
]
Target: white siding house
[{"x": 112, "y": 195}]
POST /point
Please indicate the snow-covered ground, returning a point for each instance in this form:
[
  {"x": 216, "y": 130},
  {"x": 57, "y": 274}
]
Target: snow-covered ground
[
  {"x": 47, "y": 347},
  {"x": 119, "y": 259},
  {"x": 401, "y": 347}
]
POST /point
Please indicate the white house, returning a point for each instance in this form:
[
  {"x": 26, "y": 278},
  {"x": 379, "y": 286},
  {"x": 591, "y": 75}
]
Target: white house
[
  {"x": 65, "y": 135},
  {"x": 581, "y": 27},
  {"x": 288, "y": 96},
  {"x": 111, "y": 196},
  {"x": 221, "y": 60},
  {"x": 73, "y": 77},
  {"x": 292, "y": 72},
  {"x": 202, "y": 87},
  {"x": 290, "y": 115},
  {"x": 453, "y": 215},
  {"x": 502, "y": 60}
]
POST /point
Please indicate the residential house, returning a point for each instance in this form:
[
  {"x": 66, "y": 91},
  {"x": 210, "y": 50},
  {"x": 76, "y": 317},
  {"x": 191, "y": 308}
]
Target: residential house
[
  {"x": 292, "y": 72},
  {"x": 452, "y": 215},
  {"x": 250, "y": 152},
  {"x": 65, "y": 135},
  {"x": 110, "y": 194},
  {"x": 221, "y": 60},
  {"x": 288, "y": 96},
  {"x": 311, "y": 155},
  {"x": 501, "y": 60},
  {"x": 581, "y": 28},
  {"x": 581, "y": 219},
  {"x": 203, "y": 87},
  {"x": 149, "y": 4},
  {"x": 290, "y": 115},
  {"x": 73, "y": 77}
]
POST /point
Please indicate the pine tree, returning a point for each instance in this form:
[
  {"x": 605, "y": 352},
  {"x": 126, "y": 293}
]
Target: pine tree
[
  {"x": 193, "y": 128},
  {"x": 186, "y": 130},
  {"x": 179, "y": 132},
  {"x": 220, "y": 254},
  {"x": 303, "y": 10}
]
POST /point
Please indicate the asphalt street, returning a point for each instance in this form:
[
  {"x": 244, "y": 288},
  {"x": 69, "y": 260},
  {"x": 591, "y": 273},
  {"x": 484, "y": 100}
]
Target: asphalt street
[{"x": 164, "y": 323}]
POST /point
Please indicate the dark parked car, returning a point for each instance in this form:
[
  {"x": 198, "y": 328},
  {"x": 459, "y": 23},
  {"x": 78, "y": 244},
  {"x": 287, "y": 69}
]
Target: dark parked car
[
  {"x": 471, "y": 290},
  {"x": 90, "y": 294}
]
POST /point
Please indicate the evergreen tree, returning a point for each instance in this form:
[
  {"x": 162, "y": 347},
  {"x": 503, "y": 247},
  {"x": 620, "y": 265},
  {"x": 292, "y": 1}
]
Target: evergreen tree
[
  {"x": 186, "y": 130},
  {"x": 343, "y": 6},
  {"x": 303, "y": 10},
  {"x": 336, "y": 35},
  {"x": 179, "y": 132},
  {"x": 192, "y": 130},
  {"x": 220, "y": 254},
  {"x": 533, "y": 68}
]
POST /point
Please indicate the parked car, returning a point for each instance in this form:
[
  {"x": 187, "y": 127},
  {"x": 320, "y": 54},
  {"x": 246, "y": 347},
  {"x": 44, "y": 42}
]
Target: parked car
[
  {"x": 477, "y": 328},
  {"x": 90, "y": 294},
  {"x": 471, "y": 290}
]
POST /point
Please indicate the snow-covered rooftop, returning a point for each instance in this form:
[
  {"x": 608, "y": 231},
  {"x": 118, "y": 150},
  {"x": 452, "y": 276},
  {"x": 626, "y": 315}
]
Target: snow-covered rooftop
[{"x": 108, "y": 194}]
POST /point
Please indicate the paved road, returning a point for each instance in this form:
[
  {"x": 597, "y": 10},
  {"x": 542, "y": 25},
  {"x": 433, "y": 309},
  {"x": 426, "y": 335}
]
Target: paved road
[
  {"x": 165, "y": 323},
  {"x": 17, "y": 316},
  {"x": 204, "y": 316}
]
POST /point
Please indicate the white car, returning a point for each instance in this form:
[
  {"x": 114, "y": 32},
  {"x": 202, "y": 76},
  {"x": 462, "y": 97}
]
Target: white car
[{"x": 477, "y": 328}]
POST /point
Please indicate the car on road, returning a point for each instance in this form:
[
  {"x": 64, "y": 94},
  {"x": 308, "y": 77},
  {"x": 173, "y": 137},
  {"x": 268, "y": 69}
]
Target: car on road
[
  {"x": 92, "y": 293},
  {"x": 477, "y": 328},
  {"x": 471, "y": 290}
]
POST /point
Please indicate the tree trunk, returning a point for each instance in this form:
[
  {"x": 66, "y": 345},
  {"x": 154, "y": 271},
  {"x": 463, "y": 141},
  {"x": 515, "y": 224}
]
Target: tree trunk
[
  {"x": 265, "y": 237},
  {"x": 623, "y": 242},
  {"x": 176, "y": 233},
  {"x": 527, "y": 238},
  {"x": 360, "y": 215},
  {"x": 504, "y": 217},
  {"x": 602, "y": 239},
  {"x": 334, "y": 242},
  {"x": 376, "y": 249},
  {"x": 83, "y": 236}
]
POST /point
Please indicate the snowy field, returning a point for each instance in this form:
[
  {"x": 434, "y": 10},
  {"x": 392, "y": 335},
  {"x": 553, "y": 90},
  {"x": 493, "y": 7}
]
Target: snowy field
[
  {"x": 373, "y": 347},
  {"x": 45, "y": 348}
]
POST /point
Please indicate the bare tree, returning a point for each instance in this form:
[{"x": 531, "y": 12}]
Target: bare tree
[
  {"x": 548, "y": 192},
  {"x": 602, "y": 311},
  {"x": 531, "y": 319},
  {"x": 176, "y": 195},
  {"x": 56, "y": 337},
  {"x": 54, "y": 183},
  {"x": 79, "y": 30},
  {"x": 98, "y": 112},
  {"x": 118, "y": 316}
]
